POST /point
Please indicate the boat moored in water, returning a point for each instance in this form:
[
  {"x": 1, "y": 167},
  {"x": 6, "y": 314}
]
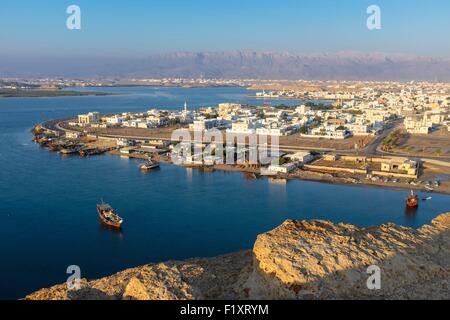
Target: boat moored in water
[
  {"x": 108, "y": 215},
  {"x": 413, "y": 200}
]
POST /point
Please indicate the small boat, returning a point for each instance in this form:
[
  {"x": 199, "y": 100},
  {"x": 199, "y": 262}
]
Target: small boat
[
  {"x": 84, "y": 153},
  {"x": 108, "y": 216},
  {"x": 68, "y": 151},
  {"x": 54, "y": 147},
  {"x": 149, "y": 165},
  {"x": 413, "y": 200},
  {"x": 427, "y": 198}
]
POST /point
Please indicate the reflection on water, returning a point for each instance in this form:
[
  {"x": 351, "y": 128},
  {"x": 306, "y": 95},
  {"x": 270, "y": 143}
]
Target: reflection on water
[
  {"x": 250, "y": 176},
  {"x": 117, "y": 232},
  {"x": 189, "y": 172},
  {"x": 278, "y": 181},
  {"x": 278, "y": 191},
  {"x": 411, "y": 214}
]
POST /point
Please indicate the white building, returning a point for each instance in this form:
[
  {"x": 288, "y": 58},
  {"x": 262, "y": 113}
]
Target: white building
[
  {"x": 328, "y": 132},
  {"x": 114, "y": 120},
  {"x": 245, "y": 127},
  {"x": 301, "y": 156},
  {"x": 302, "y": 109},
  {"x": 283, "y": 168},
  {"x": 91, "y": 117},
  {"x": 203, "y": 125},
  {"x": 73, "y": 135},
  {"x": 417, "y": 126},
  {"x": 358, "y": 129}
]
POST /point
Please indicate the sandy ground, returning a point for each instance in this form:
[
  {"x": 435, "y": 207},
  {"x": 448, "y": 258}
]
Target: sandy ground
[
  {"x": 347, "y": 144},
  {"x": 429, "y": 174},
  {"x": 159, "y": 133},
  {"x": 98, "y": 143},
  {"x": 295, "y": 141},
  {"x": 347, "y": 164},
  {"x": 436, "y": 144}
]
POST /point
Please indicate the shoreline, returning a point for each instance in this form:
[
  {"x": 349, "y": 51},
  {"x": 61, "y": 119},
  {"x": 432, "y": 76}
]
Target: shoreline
[
  {"x": 344, "y": 179},
  {"x": 320, "y": 179},
  {"x": 309, "y": 176}
]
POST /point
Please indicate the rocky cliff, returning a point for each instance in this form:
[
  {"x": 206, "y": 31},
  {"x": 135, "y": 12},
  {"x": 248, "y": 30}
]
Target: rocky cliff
[{"x": 298, "y": 260}]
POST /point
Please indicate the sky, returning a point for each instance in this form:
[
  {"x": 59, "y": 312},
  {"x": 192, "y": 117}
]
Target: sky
[{"x": 136, "y": 28}]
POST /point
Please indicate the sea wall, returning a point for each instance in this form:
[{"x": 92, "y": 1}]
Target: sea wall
[{"x": 298, "y": 260}]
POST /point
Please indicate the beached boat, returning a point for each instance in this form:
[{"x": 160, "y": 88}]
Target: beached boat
[
  {"x": 54, "y": 147},
  {"x": 67, "y": 151},
  {"x": 149, "y": 165},
  {"x": 91, "y": 152},
  {"x": 108, "y": 216},
  {"x": 413, "y": 200}
]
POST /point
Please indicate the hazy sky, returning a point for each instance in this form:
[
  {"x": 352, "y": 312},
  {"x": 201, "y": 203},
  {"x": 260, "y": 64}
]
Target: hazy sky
[{"x": 136, "y": 28}]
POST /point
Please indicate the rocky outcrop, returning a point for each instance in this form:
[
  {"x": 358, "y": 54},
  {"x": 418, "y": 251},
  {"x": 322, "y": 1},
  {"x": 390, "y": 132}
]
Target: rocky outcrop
[
  {"x": 321, "y": 260},
  {"x": 209, "y": 278},
  {"x": 298, "y": 260}
]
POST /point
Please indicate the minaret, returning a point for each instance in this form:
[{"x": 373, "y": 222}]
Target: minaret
[{"x": 185, "y": 107}]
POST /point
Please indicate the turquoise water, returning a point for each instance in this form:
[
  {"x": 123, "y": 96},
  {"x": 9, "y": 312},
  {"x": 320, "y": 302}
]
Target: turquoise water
[{"x": 47, "y": 202}]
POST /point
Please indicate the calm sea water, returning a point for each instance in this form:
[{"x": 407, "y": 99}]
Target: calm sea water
[{"x": 47, "y": 202}]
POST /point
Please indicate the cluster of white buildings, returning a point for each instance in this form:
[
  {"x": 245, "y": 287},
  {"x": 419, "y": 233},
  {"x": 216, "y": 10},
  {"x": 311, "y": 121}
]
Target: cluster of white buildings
[
  {"x": 319, "y": 95},
  {"x": 364, "y": 112},
  {"x": 426, "y": 122},
  {"x": 145, "y": 120}
]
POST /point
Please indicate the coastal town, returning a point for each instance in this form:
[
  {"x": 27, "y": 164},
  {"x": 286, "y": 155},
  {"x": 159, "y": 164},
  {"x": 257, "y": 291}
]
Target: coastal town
[{"x": 385, "y": 135}]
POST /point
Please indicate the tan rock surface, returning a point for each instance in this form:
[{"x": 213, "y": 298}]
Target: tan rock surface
[
  {"x": 209, "y": 278},
  {"x": 298, "y": 260},
  {"x": 322, "y": 260},
  {"x": 135, "y": 290}
]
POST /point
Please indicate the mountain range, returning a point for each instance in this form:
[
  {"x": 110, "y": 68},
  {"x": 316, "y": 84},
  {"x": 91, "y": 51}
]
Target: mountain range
[{"x": 242, "y": 65}]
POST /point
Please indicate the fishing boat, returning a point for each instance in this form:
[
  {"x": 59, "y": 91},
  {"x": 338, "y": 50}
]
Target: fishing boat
[
  {"x": 426, "y": 198},
  {"x": 413, "y": 200},
  {"x": 54, "y": 146},
  {"x": 91, "y": 152},
  {"x": 149, "y": 165},
  {"x": 108, "y": 216}
]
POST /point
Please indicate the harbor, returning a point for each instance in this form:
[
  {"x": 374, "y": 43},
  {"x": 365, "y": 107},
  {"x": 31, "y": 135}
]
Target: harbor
[
  {"x": 170, "y": 213},
  {"x": 325, "y": 166}
]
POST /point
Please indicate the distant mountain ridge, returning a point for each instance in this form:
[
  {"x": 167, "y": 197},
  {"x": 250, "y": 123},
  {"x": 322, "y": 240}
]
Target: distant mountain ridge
[
  {"x": 276, "y": 65},
  {"x": 247, "y": 65}
]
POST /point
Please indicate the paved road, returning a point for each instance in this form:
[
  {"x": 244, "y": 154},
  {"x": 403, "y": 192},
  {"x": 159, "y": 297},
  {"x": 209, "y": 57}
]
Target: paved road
[{"x": 372, "y": 148}]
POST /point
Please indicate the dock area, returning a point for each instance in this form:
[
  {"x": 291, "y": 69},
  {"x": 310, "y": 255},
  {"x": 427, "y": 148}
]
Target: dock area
[{"x": 329, "y": 167}]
